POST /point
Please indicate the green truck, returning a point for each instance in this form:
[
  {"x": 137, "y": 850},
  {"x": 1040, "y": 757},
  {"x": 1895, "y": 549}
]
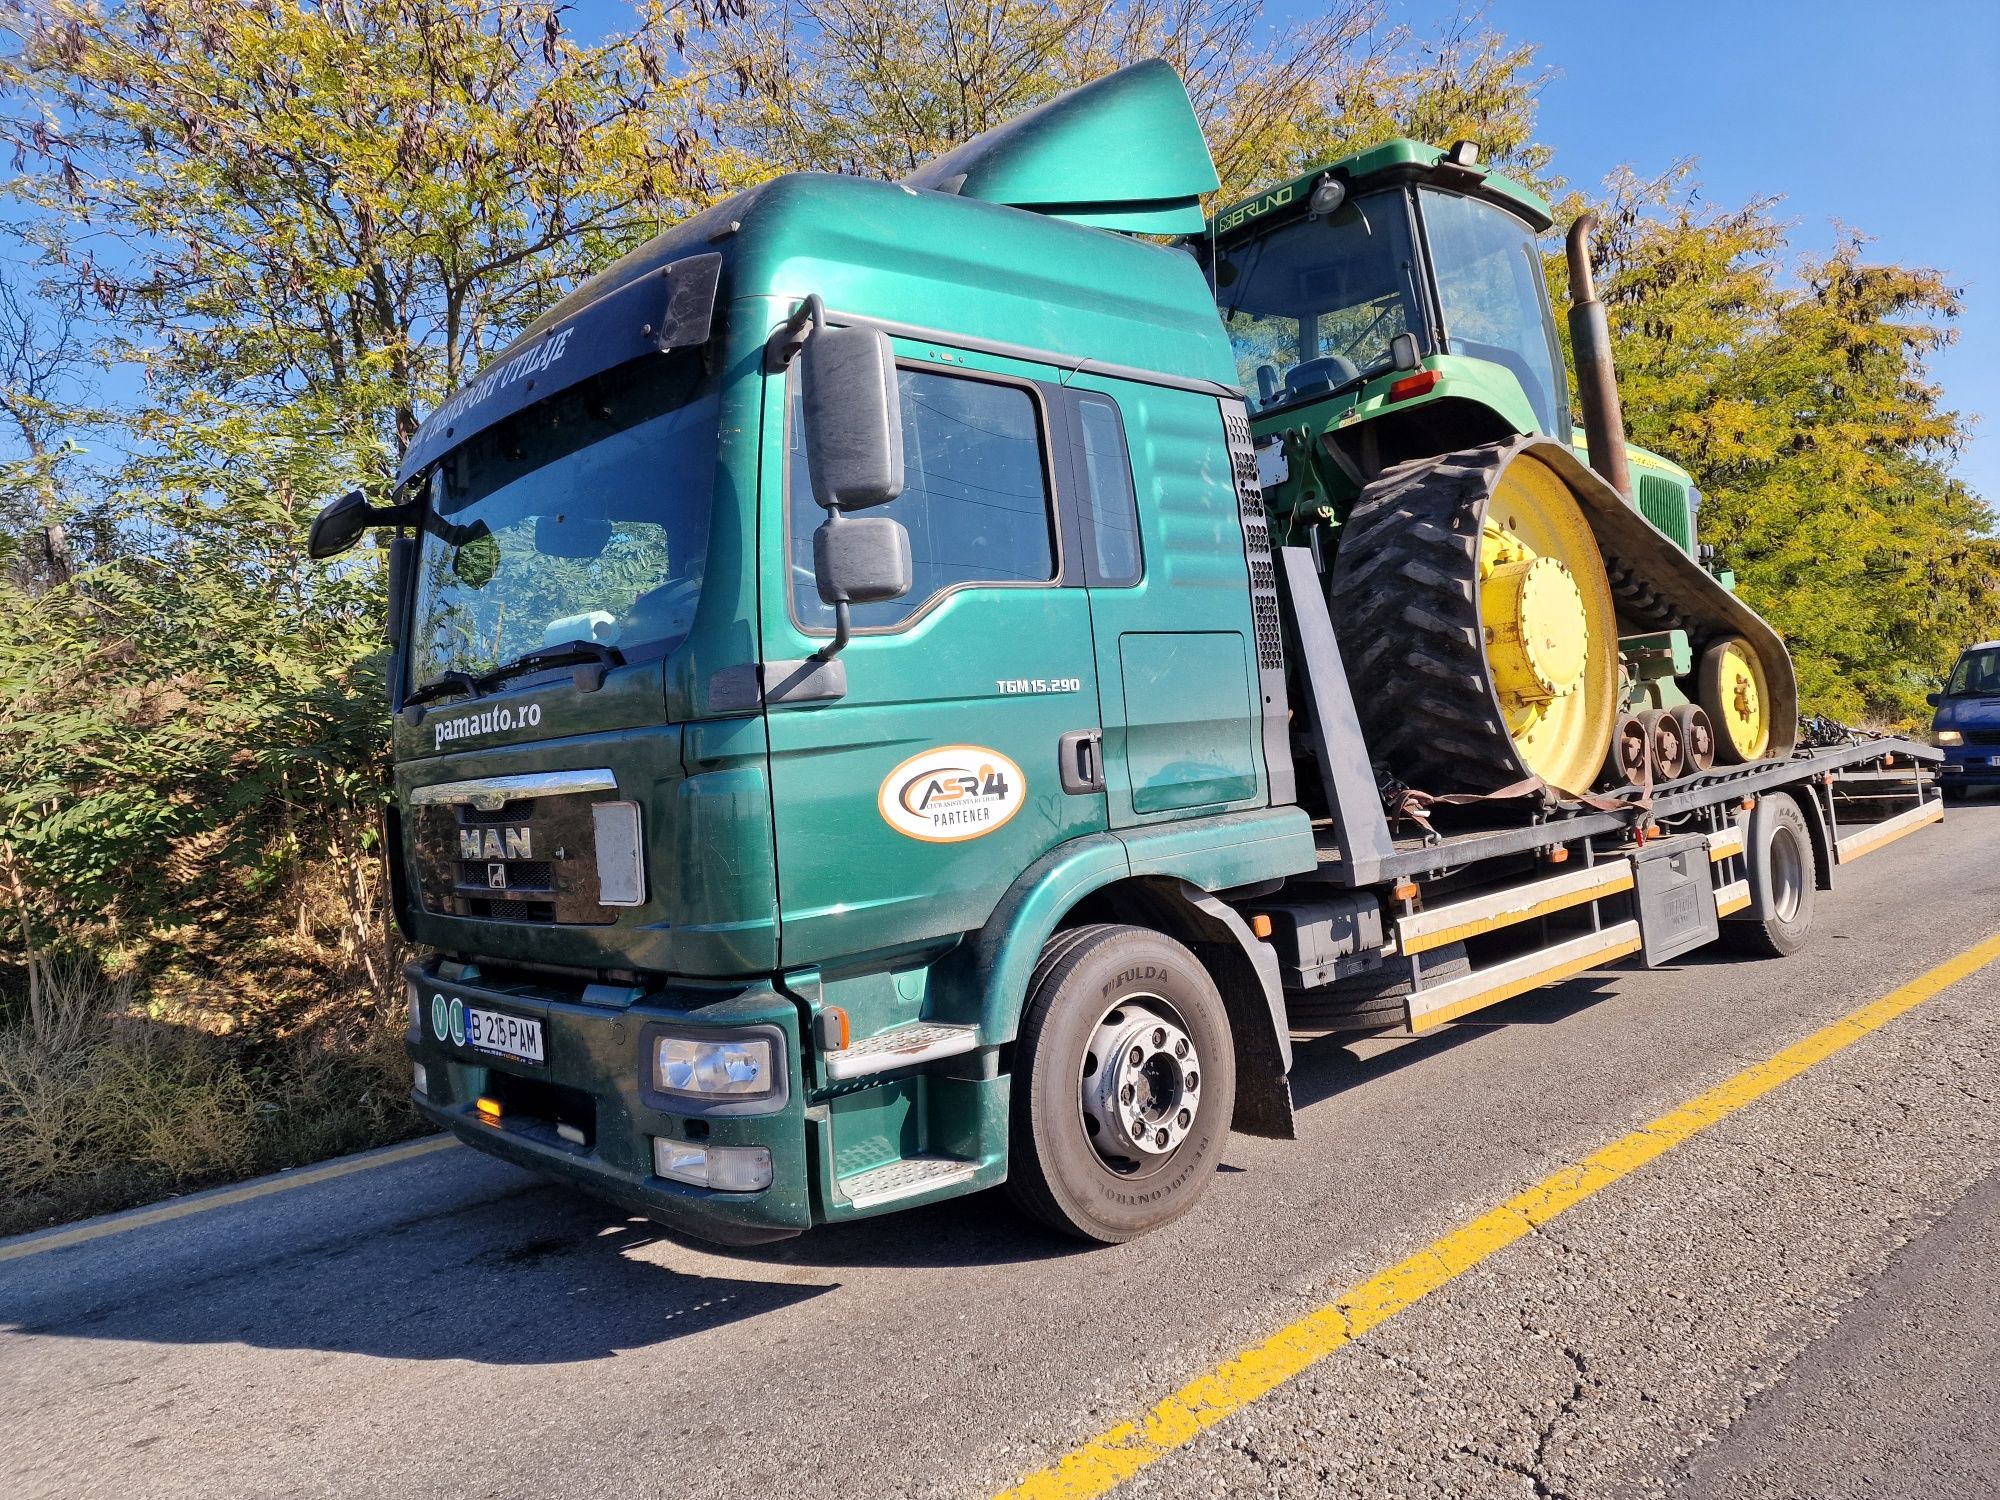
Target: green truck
[{"x": 906, "y": 687}]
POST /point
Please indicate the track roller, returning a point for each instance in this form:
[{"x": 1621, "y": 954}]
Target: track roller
[
  {"x": 1631, "y": 750},
  {"x": 1698, "y": 734},
  {"x": 1667, "y": 750}
]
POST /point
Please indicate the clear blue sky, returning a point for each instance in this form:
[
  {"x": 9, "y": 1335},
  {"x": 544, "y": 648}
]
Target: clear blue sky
[{"x": 1882, "y": 116}]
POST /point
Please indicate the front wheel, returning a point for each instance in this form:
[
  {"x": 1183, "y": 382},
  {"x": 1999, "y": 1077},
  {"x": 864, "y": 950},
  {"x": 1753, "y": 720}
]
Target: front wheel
[{"x": 1124, "y": 1084}]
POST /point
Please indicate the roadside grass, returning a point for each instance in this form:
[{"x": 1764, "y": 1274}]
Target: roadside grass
[{"x": 115, "y": 1095}]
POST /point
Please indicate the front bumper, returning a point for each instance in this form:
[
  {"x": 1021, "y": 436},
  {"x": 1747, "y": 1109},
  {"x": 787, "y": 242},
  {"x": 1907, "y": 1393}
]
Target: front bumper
[
  {"x": 1970, "y": 766},
  {"x": 590, "y": 1085}
]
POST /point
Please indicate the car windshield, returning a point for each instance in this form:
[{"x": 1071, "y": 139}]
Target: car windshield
[
  {"x": 1492, "y": 296},
  {"x": 584, "y": 518},
  {"x": 1312, "y": 305},
  {"x": 1977, "y": 674}
]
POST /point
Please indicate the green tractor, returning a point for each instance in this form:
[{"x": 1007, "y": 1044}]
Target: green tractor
[{"x": 1510, "y": 615}]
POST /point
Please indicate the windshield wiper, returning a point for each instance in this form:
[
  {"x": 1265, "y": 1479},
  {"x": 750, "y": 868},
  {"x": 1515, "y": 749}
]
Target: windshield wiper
[
  {"x": 567, "y": 654},
  {"x": 444, "y": 682}
]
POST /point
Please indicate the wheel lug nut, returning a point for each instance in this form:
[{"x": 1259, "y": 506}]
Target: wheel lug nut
[
  {"x": 1159, "y": 1036},
  {"x": 1193, "y": 1082},
  {"x": 1186, "y": 1119},
  {"x": 1137, "y": 1056},
  {"x": 1160, "y": 1140},
  {"x": 1125, "y": 1095},
  {"x": 1181, "y": 1048}
]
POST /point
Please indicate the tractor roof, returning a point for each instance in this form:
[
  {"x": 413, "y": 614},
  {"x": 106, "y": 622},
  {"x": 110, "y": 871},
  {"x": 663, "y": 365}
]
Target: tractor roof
[{"x": 1394, "y": 161}]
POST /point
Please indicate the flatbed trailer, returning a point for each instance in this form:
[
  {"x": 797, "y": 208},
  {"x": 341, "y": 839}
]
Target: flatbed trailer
[{"x": 1526, "y": 891}]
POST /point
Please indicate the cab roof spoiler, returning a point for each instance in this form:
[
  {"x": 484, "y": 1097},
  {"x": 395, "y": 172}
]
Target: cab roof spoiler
[{"x": 670, "y": 307}]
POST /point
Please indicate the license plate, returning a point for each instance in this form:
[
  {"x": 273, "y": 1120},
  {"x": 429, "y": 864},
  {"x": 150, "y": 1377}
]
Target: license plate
[
  {"x": 1993, "y": 760},
  {"x": 503, "y": 1035}
]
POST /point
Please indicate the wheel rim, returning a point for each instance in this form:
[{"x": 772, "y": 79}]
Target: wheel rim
[
  {"x": 1787, "y": 875},
  {"x": 1139, "y": 1085},
  {"x": 1742, "y": 710},
  {"x": 1550, "y": 635}
]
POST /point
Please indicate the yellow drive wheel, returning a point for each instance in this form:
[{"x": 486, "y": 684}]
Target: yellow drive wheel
[
  {"x": 1738, "y": 700},
  {"x": 1546, "y": 619},
  {"x": 1476, "y": 623}
]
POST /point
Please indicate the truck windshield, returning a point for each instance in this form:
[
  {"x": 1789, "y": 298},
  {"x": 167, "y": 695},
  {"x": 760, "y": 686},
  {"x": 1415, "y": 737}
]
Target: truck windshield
[
  {"x": 584, "y": 518},
  {"x": 1977, "y": 674},
  {"x": 1312, "y": 305},
  {"x": 1493, "y": 298}
]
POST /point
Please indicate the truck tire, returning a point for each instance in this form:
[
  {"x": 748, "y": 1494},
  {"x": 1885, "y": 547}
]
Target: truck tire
[
  {"x": 1124, "y": 1084},
  {"x": 1783, "y": 882}
]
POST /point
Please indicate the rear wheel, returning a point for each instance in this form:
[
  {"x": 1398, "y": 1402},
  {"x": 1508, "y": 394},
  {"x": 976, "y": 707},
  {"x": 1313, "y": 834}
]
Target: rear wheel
[
  {"x": 1124, "y": 1084},
  {"x": 1783, "y": 883}
]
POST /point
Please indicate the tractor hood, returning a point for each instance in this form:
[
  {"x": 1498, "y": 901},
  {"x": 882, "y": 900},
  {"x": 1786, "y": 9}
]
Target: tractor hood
[{"x": 1124, "y": 152}]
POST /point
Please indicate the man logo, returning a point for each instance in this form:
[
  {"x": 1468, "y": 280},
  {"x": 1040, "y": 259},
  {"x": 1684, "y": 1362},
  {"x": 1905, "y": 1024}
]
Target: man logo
[{"x": 496, "y": 843}]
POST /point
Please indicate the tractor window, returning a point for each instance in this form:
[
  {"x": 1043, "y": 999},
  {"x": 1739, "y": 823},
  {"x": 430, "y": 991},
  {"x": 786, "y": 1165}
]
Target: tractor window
[
  {"x": 1312, "y": 305},
  {"x": 1493, "y": 298},
  {"x": 975, "y": 496}
]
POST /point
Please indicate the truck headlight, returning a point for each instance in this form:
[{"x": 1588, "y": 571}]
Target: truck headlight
[
  {"x": 1950, "y": 737},
  {"x": 736, "y": 1068}
]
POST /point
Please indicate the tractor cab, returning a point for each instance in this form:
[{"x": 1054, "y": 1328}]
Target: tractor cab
[{"x": 1318, "y": 279}]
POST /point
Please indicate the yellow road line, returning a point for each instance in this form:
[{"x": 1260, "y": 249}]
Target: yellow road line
[
  {"x": 181, "y": 1208},
  {"x": 1114, "y": 1456}
]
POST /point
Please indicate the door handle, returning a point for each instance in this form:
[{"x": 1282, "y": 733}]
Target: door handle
[{"x": 1080, "y": 761}]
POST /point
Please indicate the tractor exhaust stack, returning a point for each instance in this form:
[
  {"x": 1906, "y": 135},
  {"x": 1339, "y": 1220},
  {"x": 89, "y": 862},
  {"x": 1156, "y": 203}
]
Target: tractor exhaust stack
[{"x": 1596, "y": 380}]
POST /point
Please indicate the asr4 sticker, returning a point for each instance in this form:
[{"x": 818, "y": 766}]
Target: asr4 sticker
[{"x": 952, "y": 793}]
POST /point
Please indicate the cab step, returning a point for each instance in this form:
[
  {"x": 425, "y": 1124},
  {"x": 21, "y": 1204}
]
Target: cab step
[
  {"x": 903, "y": 1047},
  {"x": 904, "y": 1179}
]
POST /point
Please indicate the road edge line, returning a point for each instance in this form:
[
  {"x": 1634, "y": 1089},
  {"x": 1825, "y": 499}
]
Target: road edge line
[
  {"x": 1095, "y": 1467},
  {"x": 64, "y": 1235}
]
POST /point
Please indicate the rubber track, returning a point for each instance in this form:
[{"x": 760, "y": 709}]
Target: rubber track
[{"x": 1405, "y": 610}]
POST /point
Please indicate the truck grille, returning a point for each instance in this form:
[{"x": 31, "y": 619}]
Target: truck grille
[
  {"x": 1982, "y": 736},
  {"x": 531, "y": 859}
]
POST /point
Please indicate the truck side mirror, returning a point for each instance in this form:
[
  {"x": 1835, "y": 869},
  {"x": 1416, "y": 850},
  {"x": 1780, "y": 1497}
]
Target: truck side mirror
[
  {"x": 1933, "y": 699},
  {"x": 339, "y": 525},
  {"x": 853, "y": 418},
  {"x": 861, "y": 561}
]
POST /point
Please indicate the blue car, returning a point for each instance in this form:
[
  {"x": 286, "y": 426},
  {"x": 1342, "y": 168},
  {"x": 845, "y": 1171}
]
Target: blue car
[{"x": 1967, "y": 727}]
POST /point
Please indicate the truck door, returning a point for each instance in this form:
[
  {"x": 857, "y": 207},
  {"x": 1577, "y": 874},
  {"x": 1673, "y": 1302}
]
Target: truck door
[
  {"x": 908, "y": 804},
  {"x": 1161, "y": 539}
]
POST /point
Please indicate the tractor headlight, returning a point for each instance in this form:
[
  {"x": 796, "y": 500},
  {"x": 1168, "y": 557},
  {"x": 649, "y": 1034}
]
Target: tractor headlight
[
  {"x": 1949, "y": 737},
  {"x": 732, "y": 1068}
]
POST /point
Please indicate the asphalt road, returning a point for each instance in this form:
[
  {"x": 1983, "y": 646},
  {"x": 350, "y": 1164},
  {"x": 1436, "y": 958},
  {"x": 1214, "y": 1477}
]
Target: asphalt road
[{"x": 1797, "y": 1301}]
